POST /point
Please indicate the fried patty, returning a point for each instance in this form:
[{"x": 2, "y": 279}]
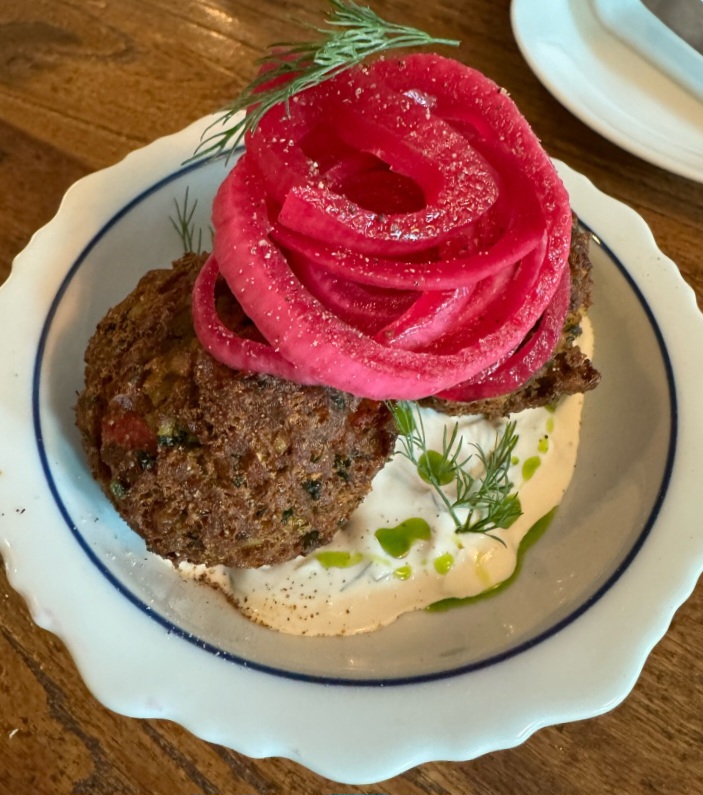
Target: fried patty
[
  {"x": 568, "y": 372},
  {"x": 210, "y": 465}
]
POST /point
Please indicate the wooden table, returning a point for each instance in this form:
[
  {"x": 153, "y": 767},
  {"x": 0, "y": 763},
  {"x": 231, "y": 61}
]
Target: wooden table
[{"x": 82, "y": 82}]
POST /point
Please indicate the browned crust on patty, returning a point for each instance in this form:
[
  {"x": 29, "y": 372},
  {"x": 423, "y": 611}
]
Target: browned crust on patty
[{"x": 210, "y": 465}]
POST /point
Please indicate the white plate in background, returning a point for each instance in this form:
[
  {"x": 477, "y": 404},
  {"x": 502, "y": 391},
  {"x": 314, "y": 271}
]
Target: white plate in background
[{"x": 609, "y": 86}]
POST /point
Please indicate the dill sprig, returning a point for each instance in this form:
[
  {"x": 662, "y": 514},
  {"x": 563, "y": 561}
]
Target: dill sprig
[
  {"x": 354, "y": 33},
  {"x": 184, "y": 225},
  {"x": 488, "y": 496}
]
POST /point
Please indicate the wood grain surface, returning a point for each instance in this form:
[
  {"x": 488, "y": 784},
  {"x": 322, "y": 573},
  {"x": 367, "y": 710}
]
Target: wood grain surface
[{"x": 83, "y": 82}]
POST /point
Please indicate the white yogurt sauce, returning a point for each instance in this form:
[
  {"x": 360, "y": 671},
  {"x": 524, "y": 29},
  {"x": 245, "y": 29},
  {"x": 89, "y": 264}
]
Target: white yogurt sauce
[{"x": 352, "y": 585}]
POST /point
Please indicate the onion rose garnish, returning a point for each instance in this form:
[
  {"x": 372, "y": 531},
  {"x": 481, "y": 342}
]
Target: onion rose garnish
[{"x": 395, "y": 232}]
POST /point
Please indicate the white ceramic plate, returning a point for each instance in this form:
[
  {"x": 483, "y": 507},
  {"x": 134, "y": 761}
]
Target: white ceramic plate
[
  {"x": 566, "y": 641},
  {"x": 610, "y": 86}
]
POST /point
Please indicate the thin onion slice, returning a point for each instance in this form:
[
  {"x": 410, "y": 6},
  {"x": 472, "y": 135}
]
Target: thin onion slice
[
  {"x": 226, "y": 345},
  {"x": 530, "y": 357}
]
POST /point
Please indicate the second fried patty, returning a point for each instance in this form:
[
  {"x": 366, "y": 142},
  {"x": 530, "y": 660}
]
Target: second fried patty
[{"x": 210, "y": 465}]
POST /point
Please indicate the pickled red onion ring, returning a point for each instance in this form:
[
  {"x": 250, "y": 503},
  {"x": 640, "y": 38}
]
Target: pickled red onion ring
[
  {"x": 429, "y": 317},
  {"x": 227, "y": 346},
  {"x": 523, "y": 363},
  {"x": 367, "y": 308}
]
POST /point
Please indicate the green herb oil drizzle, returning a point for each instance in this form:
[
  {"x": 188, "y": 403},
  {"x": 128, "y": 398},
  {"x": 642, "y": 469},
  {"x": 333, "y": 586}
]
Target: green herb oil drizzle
[{"x": 529, "y": 539}]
